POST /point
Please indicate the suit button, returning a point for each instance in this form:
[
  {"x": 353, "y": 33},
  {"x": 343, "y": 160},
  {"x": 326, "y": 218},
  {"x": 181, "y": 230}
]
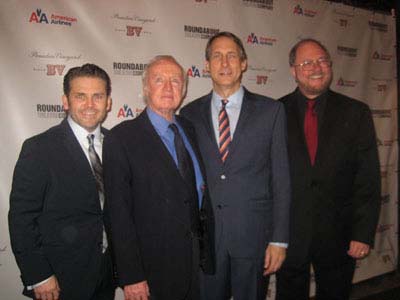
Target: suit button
[
  {"x": 219, "y": 206},
  {"x": 186, "y": 202},
  {"x": 223, "y": 177}
]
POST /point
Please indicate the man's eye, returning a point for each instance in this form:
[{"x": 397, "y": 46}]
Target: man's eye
[{"x": 216, "y": 56}]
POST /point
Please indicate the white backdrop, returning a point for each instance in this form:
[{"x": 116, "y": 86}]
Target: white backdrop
[{"x": 41, "y": 40}]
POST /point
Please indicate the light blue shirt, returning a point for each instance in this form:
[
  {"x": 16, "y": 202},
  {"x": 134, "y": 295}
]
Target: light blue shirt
[
  {"x": 232, "y": 109},
  {"x": 166, "y": 134}
]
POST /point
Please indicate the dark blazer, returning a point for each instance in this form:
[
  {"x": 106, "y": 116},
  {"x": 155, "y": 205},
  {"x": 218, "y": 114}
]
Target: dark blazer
[
  {"x": 338, "y": 199},
  {"x": 150, "y": 209},
  {"x": 55, "y": 219},
  {"x": 250, "y": 192}
]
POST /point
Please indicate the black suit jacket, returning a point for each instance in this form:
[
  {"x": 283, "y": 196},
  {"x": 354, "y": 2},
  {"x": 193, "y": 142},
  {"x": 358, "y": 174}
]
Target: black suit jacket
[
  {"x": 55, "y": 219},
  {"x": 150, "y": 210},
  {"x": 338, "y": 199},
  {"x": 250, "y": 192}
]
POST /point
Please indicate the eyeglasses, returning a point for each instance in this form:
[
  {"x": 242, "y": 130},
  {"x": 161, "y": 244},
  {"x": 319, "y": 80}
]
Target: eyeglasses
[{"x": 308, "y": 65}]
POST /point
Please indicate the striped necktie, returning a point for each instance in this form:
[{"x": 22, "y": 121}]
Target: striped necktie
[
  {"x": 97, "y": 169},
  {"x": 224, "y": 131}
]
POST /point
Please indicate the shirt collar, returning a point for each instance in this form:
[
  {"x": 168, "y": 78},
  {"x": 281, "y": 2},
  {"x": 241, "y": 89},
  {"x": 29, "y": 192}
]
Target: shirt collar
[
  {"x": 160, "y": 124},
  {"x": 235, "y": 100},
  {"x": 81, "y": 133}
]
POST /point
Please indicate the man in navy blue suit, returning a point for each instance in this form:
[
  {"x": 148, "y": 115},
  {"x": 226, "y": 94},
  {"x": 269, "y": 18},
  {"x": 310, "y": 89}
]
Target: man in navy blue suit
[{"x": 242, "y": 139}]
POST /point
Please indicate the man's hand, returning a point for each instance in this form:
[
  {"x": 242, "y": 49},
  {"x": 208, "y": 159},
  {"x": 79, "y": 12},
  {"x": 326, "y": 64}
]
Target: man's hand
[
  {"x": 48, "y": 290},
  {"x": 274, "y": 257},
  {"x": 358, "y": 250},
  {"x": 137, "y": 291}
]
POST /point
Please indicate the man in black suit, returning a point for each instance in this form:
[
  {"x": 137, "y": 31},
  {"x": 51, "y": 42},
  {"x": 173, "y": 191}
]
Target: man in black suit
[
  {"x": 242, "y": 139},
  {"x": 160, "y": 212},
  {"x": 55, "y": 219},
  {"x": 335, "y": 180}
]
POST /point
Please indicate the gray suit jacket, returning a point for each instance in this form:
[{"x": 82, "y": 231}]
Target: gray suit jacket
[{"x": 250, "y": 192}]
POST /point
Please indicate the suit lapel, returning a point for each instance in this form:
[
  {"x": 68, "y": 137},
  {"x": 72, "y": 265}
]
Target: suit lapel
[
  {"x": 207, "y": 120},
  {"x": 166, "y": 166},
  {"x": 190, "y": 134},
  {"x": 78, "y": 160},
  {"x": 296, "y": 130},
  {"x": 246, "y": 111},
  {"x": 329, "y": 119},
  {"x": 157, "y": 145},
  {"x": 208, "y": 125}
]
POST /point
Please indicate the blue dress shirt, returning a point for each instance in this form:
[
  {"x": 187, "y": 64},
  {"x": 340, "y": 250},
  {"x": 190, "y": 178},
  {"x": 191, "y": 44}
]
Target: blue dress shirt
[{"x": 166, "y": 134}]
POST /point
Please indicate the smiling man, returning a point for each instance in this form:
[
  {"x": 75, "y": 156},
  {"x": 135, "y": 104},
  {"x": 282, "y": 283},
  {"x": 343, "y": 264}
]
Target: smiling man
[
  {"x": 160, "y": 211},
  {"x": 335, "y": 180},
  {"x": 242, "y": 138},
  {"x": 56, "y": 221}
]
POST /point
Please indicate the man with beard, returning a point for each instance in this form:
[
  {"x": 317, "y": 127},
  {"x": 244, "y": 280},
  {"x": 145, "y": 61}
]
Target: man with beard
[{"x": 335, "y": 180}]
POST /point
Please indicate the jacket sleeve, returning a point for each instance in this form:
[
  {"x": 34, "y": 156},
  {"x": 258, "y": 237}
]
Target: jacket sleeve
[
  {"x": 119, "y": 200},
  {"x": 280, "y": 178},
  {"x": 27, "y": 199},
  {"x": 367, "y": 183}
]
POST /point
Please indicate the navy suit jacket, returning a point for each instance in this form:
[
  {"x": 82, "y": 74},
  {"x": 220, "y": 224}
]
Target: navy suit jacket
[
  {"x": 55, "y": 218},
  {"x": 250, "y": 192}
]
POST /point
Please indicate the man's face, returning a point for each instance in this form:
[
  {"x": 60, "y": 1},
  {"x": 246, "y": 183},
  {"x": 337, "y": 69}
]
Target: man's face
[
  {"x": 315, "y": 81},
  {"x": 163, "y": 87},
  {"x": 87, "y": 102},
  {"x": 225, "y": 65}
]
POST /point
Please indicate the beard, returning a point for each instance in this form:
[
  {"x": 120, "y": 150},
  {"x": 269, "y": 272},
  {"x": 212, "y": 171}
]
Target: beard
[{"x": 315, "y": 89}]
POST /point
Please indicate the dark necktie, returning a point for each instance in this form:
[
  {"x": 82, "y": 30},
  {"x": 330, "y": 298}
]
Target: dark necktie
[
  {"x": 224, "y": 131},
  {"x": 185, "y": 164},
  {"x": 97, "y": 169},
  {"x": 311, "y": 129}
]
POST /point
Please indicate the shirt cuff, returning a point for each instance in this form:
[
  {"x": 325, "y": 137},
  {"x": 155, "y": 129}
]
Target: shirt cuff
[
  {"x": 283, "y": 245},
  {"x": 31, "y": 287}
]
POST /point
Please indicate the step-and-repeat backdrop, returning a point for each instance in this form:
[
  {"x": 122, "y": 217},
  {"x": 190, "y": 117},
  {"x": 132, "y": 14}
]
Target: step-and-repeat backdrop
[{"x": 41, "y": 40}]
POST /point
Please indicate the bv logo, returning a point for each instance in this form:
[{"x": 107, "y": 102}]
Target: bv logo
[
  {"x": 133, "y": 30},
  {"x": 55, "y": 69}
]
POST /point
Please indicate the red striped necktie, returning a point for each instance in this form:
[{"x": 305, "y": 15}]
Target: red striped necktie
[
  {"x": 224, "y": 131},
  {"x": 311, "y": 129}
]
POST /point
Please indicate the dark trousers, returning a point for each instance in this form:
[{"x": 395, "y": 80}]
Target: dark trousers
[
  {"x": 105, "y": 287},
  {"x": 241, "y": 278},
  {"x": 193, "y": 292},
  {"x": 333, "y": 279}
]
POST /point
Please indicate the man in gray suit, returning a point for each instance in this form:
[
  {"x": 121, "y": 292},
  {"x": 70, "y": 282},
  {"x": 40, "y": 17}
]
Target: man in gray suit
[{"x": 242, "y": 139}]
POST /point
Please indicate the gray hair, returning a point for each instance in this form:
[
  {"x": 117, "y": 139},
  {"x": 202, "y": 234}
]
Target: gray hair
[{"x": 157, "y": 59}]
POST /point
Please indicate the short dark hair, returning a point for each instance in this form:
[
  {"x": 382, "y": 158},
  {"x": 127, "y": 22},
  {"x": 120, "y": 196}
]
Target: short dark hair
[
  {"x": 86, "y": 70},
  {"x": 293, "y": 51},
  {"x": 231, "y": 36}
]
